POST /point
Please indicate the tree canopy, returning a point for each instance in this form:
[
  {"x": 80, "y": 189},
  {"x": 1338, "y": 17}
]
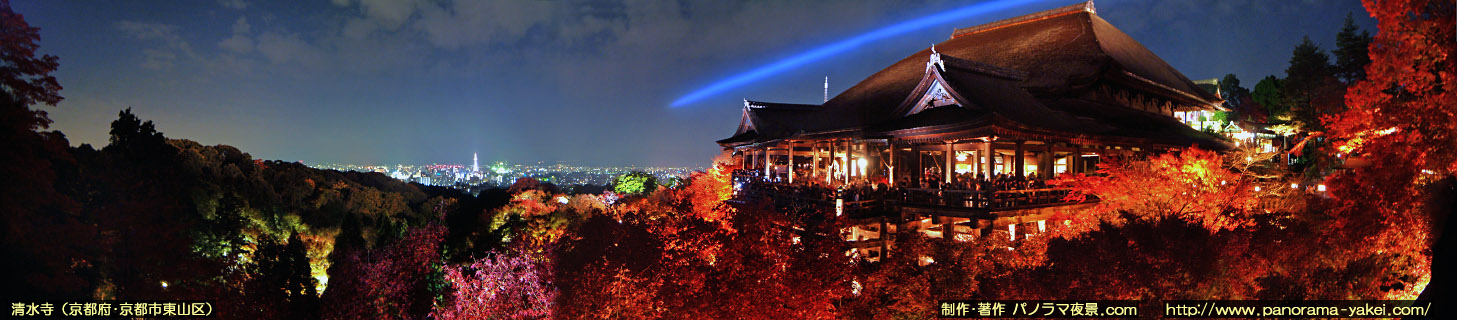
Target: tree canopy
[
  {"x": 636, "y": 182},
  {"x": 22, "y": 74}
]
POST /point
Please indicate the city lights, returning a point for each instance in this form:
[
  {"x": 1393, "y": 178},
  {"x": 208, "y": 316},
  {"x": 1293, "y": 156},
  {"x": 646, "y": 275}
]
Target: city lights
[{"x": 503, "y": 175}]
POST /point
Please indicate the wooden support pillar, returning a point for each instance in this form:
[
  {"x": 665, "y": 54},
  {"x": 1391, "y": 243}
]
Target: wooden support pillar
[
  {"x": 743, "y": 159},
  {"x": 758, "y": 159},
  {"x": 1044, "y": 170},
  {"x": 950, "y": 159},
  {"x": 830, "y": 175},
  {"x": 767, "y": 163},
  {"x": 863, "y": 152},
  {"x": 890, "y": 175},
  {"x": 825, "y": 161},
  {"x": 847, "y": 165},
  {"x": 791, "y": 161},
  {"x": 814, "y": 148},
  {"x": 920, "y": 169},
  {"x": 976, "y": 162},
  {"x": 830, "y": 162},
  {"x": 1018, "y": 162},
  {"x": 749, "y": 159},
  {"x": 837, "y": 162},
  {"x": 991, "y": 164},
  {"x": 1075, "y": 164},
  {"x": 948, "y": 228},
  {"x": 935, "y": 219}
]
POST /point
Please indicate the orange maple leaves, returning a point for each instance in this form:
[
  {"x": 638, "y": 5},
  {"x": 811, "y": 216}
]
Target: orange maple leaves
[{"x": 1194, "y": 185}]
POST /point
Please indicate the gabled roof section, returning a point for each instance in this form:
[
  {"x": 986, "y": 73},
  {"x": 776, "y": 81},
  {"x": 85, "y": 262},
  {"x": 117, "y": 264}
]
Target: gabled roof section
[
  {"x": 932, "y": 91},
  {"x": 739, "y": 139},
  {"x": 746, "y": 121},
  {"x": 750, "y": 117},
  {"x": 934, "y": 95},
  {"x": 762, "y": 121},
  {"x": 995, "y": 90},
  {"x": 985, "y": 96}
]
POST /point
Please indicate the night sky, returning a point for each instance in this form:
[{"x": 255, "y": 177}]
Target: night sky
[{"x": 418, "y": 82}]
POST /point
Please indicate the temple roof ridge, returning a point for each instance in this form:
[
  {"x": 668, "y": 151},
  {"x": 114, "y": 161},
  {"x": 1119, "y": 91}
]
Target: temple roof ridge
[
  {"x": 1086, "y": 6},
  {"x": 752, "y": 104}
]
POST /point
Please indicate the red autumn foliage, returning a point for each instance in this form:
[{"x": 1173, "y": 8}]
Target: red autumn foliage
[
  {"x": 1195, "y": 185},
  {"x": 510, "y": 285},
  {"x": 1273, "y": 242},
  {"x": 695, "y": 255},
  {"x": 1406, "y": 107},
  {"x": 387, "y": 282},
  {"x": 1398, "y": 133},
  {"x": 1402, "y": 118},
  {"x": 922, "y": 269}
]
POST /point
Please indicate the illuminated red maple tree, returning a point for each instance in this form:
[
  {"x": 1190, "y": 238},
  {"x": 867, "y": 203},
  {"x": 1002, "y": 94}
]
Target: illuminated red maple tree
[
  {"x": 1398, "y": 134},
  {"x": 508, "y": 285},
  {"x": 1195, "y": 185},
  {"x": 387, "y": 282}
]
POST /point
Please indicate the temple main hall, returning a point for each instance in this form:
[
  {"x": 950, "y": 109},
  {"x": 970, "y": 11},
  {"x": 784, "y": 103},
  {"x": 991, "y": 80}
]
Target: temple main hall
[{"x": 959, "y": 139}]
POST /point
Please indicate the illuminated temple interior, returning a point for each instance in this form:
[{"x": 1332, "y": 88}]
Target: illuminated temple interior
[{"x": 1021, "y": 100}]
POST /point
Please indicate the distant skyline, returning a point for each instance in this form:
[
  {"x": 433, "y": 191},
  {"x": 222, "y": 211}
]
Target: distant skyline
[{"x": 586, "y": 83}]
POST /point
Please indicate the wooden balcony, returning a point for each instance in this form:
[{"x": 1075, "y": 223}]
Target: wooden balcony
[{"x": 867, "y": 203}]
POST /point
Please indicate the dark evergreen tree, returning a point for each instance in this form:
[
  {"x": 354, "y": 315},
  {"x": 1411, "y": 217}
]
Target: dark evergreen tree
[
  {"x": 1313, "y": 92},
  {"x": 1269, "y": 93},
  {"x": 1351, "y": 52},
  {"x": 1310, "y": 69},
  {"x": 281, "y": 285},
  {"x": 1237, "y": 100}
]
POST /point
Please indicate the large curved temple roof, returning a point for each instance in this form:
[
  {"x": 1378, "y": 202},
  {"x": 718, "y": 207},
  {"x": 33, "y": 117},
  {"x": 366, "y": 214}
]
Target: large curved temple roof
[{"x": 1063, "y": 72}]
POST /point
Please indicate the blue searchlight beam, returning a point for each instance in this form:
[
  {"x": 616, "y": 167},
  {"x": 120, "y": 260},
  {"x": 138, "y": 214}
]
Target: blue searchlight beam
[{"x": 847, "y": 44}]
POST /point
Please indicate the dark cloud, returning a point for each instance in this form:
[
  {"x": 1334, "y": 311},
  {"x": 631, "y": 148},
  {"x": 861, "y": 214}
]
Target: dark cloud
[{"x": 234, "y": 4}]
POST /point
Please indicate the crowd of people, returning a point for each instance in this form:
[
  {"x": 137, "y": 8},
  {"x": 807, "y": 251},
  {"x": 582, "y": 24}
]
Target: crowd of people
[
  {"x": 965, "y": 190},
  {"x": 932, "y": 179}
]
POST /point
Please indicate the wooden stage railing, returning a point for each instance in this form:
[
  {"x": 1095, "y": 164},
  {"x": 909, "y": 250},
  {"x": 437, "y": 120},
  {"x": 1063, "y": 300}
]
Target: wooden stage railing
[{"x": 749, "y": 188}]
